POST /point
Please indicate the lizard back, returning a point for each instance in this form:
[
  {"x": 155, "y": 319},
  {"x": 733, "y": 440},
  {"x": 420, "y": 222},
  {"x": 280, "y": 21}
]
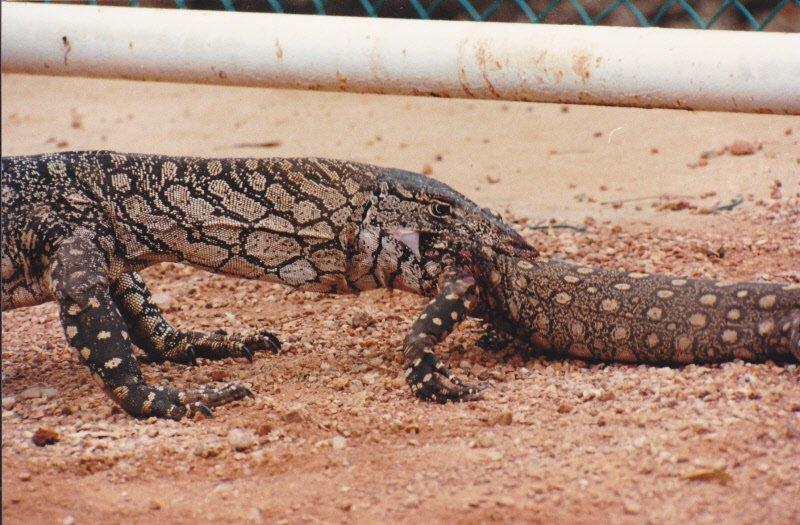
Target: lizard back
[{"x": 289, "y": 220}]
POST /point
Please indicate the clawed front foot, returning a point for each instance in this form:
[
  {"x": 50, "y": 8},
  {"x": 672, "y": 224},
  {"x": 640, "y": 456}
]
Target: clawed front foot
[
  {"x": 432, "y": 381},
  {"x": 220, "y": 344},
  {"x": 186, "y": 347}
]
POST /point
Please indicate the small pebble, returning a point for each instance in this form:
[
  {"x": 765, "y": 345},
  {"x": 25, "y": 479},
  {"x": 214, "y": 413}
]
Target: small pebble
[
  {"x": 45, "y": 436},
  {"x": 9, "y": 402},
  {"x": 205, "y": 450},
  {"x": 362, "y": 319},
  {"x": 218, "y": 375},
  {"x": 411, "y": 501},
  {"x": 48, "y": 393},
  {"x": 338, "y": 442},
  {"x": 32, "y": 392},
  {"x": 504, "y": 418},
  {"x": 163, "y": 301},
  {"x": 742, "y": 147},
  {"x": 241, "y": 440},
  {"x": 606, "y": 395},
  {"x": 264, "y": 428},
  {"x": 631, "y": 507},
  {"x": 294, "y": 415}
]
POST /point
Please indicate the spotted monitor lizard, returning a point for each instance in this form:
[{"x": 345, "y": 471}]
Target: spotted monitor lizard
[
  {"x": 599, "y": 314},
  {"x": 77, "y": 226}
]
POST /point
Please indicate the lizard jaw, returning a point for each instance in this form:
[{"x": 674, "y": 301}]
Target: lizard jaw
[{"x": 409, "y": 238}]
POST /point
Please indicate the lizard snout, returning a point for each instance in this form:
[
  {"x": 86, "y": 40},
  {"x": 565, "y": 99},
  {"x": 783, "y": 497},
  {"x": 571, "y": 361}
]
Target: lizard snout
[{"x": 513, "y": 244}]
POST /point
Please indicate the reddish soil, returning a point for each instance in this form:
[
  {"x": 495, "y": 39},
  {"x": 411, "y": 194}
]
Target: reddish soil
[{"x": 333, "y": 434}]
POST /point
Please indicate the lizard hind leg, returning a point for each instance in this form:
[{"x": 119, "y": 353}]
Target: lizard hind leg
[
  {"x": 153, "y": 334},
  {"x": 93, "y": 325}
]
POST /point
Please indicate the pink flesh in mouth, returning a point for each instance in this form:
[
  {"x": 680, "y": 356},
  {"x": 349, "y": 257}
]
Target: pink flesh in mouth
[{"x": 410, "y": 239}]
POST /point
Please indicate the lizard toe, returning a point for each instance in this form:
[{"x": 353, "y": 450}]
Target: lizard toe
[
  {"x": 220, "y": 344},
  {"x": 273, "y": 343},
  {"x": 435, "y": 389},
  {"x": 432, "y": 381}
]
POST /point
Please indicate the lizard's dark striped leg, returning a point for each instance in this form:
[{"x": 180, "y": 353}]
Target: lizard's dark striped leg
[
  {"x": 93, "y": 325},
  {"x": 425, "y": 373},
  {"x": 153, "y": 334}
]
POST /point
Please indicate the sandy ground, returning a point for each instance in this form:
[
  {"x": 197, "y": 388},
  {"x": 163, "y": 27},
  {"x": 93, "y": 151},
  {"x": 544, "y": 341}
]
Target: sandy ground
[{"x": 332, "y": 434}]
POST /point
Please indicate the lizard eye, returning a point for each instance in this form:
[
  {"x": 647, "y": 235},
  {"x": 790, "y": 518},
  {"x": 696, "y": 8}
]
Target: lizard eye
[{"x": 441, "y": 209}]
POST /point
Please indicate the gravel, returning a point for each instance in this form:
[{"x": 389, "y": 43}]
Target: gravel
[{"x": 699, "y": 444}]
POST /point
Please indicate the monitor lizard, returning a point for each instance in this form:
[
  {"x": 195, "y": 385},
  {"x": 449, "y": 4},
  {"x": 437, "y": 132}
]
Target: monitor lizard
[{"x": 78, "y": 226}]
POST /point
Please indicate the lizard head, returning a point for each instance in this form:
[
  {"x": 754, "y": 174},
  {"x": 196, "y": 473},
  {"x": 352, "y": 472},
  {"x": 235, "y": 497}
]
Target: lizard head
[{"x": 434, "y": 227}]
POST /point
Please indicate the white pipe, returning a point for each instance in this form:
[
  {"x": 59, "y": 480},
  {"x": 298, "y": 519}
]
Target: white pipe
[{"x": 668, "y": 68}]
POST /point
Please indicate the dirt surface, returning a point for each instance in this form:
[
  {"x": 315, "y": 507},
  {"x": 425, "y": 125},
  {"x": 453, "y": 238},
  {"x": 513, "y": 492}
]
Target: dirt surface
[{"x": 333, "y": 435}]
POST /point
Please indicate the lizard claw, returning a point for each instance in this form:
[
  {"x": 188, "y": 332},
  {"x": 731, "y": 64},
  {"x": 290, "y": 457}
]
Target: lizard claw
[
  {"x": 191, "y": 355},
  {"x": 274, "y": 342},
  {"x": 199, "y": 408},
  {"x": 248, "y": 354},
  {"x": 427, "y": 382}
]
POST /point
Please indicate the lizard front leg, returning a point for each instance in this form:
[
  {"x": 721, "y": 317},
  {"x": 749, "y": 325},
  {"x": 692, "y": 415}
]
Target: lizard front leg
[
  {"x": 425, "y": 373},
  {"x": 93, "y": 325},
  {"x": 153, "y": 334}
]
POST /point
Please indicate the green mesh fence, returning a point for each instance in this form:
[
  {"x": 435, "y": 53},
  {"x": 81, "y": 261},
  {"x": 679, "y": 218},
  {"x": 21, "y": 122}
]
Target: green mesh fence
[{"x": 779, "y": 15}]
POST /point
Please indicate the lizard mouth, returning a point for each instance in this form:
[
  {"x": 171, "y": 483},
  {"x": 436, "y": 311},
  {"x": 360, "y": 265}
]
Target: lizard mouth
[{"x": 408, "y": 238}]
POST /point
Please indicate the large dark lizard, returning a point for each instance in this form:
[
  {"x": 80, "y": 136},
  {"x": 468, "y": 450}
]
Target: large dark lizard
[{"x": 77, "y": 226}]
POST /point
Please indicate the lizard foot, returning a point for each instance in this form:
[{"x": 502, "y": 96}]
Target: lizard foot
[
  {"x": 493, "y": 341},
  {"x": 143, "y": 400},
  {"x": 429, "y": 379},
  {"x": 220, "y": 344}
]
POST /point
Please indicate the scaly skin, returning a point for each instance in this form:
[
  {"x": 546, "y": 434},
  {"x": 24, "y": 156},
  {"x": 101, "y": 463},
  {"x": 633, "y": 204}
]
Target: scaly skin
[
  {"x": 609, "y": 315},
  {"x": 77, "y": 227}
]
